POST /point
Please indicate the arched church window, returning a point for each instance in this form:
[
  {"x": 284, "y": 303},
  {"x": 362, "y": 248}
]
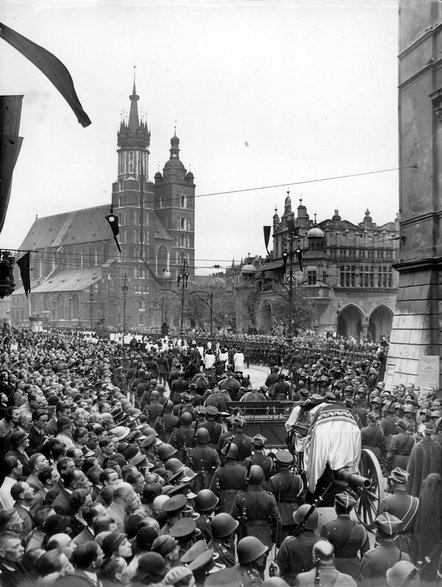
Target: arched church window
[
  {"x": 131, "y": 162},
  {"x": 183, "y": 201},
  {"x": 162, "y": 202}
]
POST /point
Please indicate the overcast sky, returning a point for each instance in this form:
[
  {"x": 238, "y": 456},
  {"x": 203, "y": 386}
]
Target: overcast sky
[{"x": 264, "y": 93}]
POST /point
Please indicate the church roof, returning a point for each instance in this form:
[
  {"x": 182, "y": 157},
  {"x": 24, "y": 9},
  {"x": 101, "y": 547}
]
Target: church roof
[
  {"x": 76, "y": 280},
  {"x": 79, "y": 226}
]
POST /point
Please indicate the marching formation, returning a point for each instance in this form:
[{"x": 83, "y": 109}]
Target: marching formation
[{"x": 134, "y": 466}]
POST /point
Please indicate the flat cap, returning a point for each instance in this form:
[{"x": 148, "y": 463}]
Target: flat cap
[
  {"x": 183, "y": 528},
  {"x": 194, "y": 551},
  {"x": 284, "y": 457},
  {"x": 175, "y": 503},
  {"x": 212, "y": 411}
]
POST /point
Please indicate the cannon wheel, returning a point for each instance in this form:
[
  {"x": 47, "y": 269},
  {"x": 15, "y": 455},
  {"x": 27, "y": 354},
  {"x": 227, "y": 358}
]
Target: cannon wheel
[{"x": 368, "y": 506}]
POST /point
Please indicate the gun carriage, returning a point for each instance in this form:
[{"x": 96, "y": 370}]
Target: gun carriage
[{"x": 327, "y": 449}]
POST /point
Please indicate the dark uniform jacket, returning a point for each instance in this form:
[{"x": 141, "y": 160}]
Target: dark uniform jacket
[
  {"x": 214, "y": 429},
  {"x": 182, "y": 439},
  {"x": 226, "y": 482},
  {"x": 165, "y": 424},
  {"x": 295, "y": 555},
  {"x": 371, "y": 438},
  {"x": 404, "y": 507},
  {"x": 399, "y": 451},
  {"x": 376, "y": 562},
  {"x": 266, "y": 463},
  {"x": 244, "y": 444},
  {"x": 349, "y": 539},
  {"x": 287, "y": 489},
  {"x": 258, "y": 514},
  {"x": 203, "y": 460},
  {"x": 225, "y": 551}
]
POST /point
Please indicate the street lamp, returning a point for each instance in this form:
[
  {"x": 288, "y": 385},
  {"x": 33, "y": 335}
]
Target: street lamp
[
  {"x": 124, "y": 289},
  {"x": 182, "y": 279},
  {"x": 290, "y": 238}
]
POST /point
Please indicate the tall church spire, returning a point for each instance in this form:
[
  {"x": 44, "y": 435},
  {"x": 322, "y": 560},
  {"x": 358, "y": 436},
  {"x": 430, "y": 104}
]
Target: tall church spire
[{"x": 134, "y": 121}]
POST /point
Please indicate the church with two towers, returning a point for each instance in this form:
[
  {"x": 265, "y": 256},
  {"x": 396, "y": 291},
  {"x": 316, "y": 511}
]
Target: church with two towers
[{"x": 79, "y": 278}]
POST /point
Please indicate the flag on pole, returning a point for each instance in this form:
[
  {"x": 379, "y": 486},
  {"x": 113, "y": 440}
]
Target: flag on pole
[
  {"x": 24, "y": 264},
  {"x": 48, "y": 64}
]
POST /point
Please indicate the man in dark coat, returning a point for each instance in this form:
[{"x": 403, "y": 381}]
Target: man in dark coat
[
  {"x": 400, "y": 447},
  {"x": 257, "y": 510},
  {"x": 349, "y": 538},
  {"x": 203, "y": 460},
  {"x": 214, "y": 428},
  {"x": 228, "y": 479},
  {"x": 295, "y": 553},
  {"x": 403, "y": 506},
  {"x": 287, "y": 489},
  {"x": 259, "y": 458},
  {"x": 425, "y": 458}
]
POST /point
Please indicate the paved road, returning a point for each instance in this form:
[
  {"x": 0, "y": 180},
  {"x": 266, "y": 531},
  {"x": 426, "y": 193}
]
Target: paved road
[{"x": 258, "y": 374}]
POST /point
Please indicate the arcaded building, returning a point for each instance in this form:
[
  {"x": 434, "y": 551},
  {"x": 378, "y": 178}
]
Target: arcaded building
[
  {"x": 79, "y": 278},
  {"x": 347, "y": 271}
]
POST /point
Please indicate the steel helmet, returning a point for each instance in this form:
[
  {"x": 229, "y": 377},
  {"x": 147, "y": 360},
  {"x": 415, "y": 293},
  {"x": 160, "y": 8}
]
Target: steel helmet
[
  {"x": 165, "y": 451},
  {"x": 256, "y": 475},
  {"x": 186, "y": 419},
  {"x": 230, "y": 451},
  {"x": 249, "y": 549},
  {"x": 311, "y": 522},
  {"x": 398, "y": 574},
  {"x": 155, "y": 395},
  {"x": 223, "y": 525},
  {"x": 202, "y": 436},
  {"x": 174, "y": 465},
  {"x": 205, "y": 500}
]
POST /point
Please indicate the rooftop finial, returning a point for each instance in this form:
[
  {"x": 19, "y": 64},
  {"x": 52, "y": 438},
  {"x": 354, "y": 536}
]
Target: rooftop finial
[
  {"x": 135, "y": 67},
  {"x": 300, "y": 200},
  {"x": 315, "y": 217}
]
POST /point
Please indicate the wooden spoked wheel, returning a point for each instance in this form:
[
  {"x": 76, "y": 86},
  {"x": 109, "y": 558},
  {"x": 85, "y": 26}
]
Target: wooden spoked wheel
[{"x": 370, "y": 499}]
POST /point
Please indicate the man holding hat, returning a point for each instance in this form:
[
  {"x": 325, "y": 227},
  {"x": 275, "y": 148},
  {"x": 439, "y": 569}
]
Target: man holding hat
[
  {"x": 376, "y": 562},
  {"x": 403, "y": 506},
  {"x": 349, "y": 538},
  {"x": 287, "y": 488}
]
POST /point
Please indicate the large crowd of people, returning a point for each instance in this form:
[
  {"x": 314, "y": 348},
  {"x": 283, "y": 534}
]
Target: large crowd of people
[{"x": 133, "y": 465}]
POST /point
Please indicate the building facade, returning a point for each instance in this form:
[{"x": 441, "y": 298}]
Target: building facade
[
  {"x": 78, "y": 276},
  {"x": 345, "y": 269}
]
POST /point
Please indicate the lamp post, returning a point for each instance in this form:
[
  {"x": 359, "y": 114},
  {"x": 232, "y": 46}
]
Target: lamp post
[
  {"x": 290, "y": 238},
  {"x": 91, "y": 301},
  {"x": 124, "y": 289},
  {"x": 182, "y": 280}
]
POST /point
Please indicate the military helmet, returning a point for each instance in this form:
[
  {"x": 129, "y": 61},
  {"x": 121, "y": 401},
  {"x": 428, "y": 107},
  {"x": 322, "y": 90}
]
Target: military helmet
[
  {"x": 165, "y": 451},
  {"x": 202, "y": 436},
  {"x": 186, "y": 419},
  {"x": 249, "y": 549},
  {"x": 154, "y": 395},
  {"x": 311, "y": 523},
  {"x": 223, "y": 525},
  {"x": 205, "y": 500},
  {"x": 256, "y": 475},
  {"x": 230, "y": 451}
]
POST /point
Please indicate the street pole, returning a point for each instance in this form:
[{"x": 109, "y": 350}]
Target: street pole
[
  {"x": 183, "y": 286},
  {"x": 290, "y": 328},
  {"x": 124, "y": 289},
  {"x": 211, "y": 313}
]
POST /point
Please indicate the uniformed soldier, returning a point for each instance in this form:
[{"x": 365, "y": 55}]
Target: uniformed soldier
[
  {"x": 371, "y": 435},
  {"x": 223, "y": 538},
  {"x": 376, "y": 562},
  {"x": 325, "y": 573},
  {"x": 185, "y": 405},
  {"x": 205, "y": 503},
  {"x": 388, "y": 425},
  {"x": 166, "y": 422},
  {"x": 258, "y": 457},
  {"x": 214, "y": 427},
  {"x": 240, "y": 438},
  {"x": 400, "y": 447},
  {"x": 183, "y": 437},
  {"x": 295, "y": 553},
  {"x": 203, "y": 460},
  {"x": 288, "y": 488},
  {"x": 173, "y": 508},
  {"x": 403, "y": 506},
  {"x": 252, "y": 555},
  {"x": 257, "y": 510},
  {"x": 229, "y": 478},
  {"x": 184, "y": 531},
  {"x": 349, "y": 538}
]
